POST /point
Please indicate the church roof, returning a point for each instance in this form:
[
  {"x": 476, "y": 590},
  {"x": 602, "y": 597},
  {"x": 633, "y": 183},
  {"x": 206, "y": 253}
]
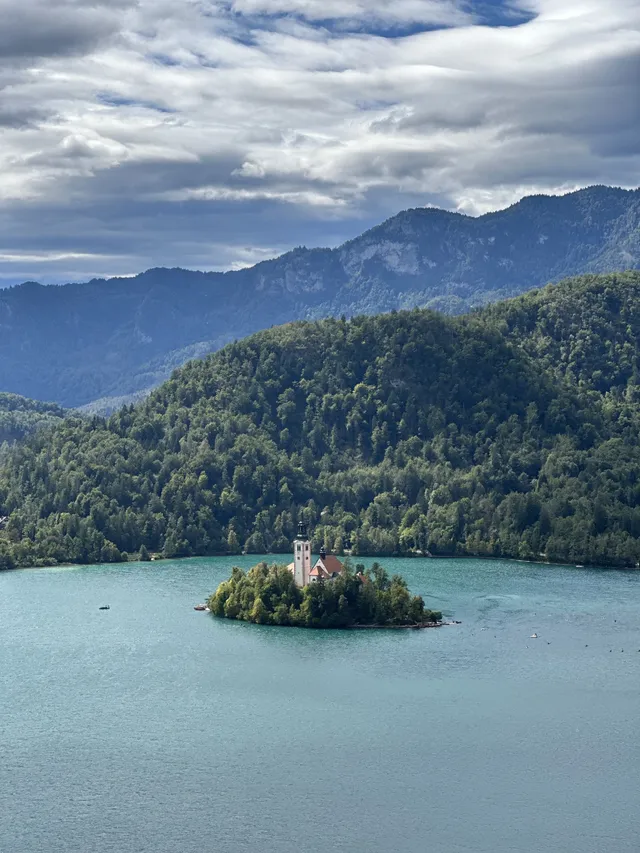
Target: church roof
[
  {"x": 318, "y": 571},
  {"x": 327, "y": 567}
]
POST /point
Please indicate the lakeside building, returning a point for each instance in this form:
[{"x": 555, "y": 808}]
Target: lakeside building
[{"x": 327, "y": 566}]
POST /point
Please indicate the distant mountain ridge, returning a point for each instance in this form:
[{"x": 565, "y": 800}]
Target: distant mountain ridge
[{"x": 80, "y": 343}]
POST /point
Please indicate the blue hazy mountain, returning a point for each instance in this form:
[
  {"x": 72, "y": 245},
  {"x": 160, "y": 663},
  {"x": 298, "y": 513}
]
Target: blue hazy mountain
[{"x": 111, "y": 340}]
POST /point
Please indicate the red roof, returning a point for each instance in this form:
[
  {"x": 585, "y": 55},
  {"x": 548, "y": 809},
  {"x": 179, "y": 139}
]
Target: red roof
[{"x": 327, "y": 567}]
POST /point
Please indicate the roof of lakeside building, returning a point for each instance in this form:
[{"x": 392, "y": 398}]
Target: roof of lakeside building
[{"x": 327, "y": 567}]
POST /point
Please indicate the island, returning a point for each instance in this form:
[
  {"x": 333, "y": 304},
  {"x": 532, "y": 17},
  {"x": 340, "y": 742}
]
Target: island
[{"x": 354, "y": 598}]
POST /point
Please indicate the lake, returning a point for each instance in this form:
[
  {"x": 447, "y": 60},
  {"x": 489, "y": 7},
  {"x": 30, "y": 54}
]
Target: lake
[{"x": 151, "y": 727}]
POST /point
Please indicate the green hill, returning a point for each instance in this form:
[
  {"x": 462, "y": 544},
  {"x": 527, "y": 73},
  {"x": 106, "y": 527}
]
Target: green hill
[
  {"x": 20, "y": 416},
  {"x": 509, "y": 432}
]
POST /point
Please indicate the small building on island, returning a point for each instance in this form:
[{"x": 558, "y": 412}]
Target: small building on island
[{"x": 326, "y": 568}]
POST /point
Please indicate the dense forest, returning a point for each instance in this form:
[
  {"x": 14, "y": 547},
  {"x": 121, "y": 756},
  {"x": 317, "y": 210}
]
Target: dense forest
[
  {"x": 268, "y": 595},
  {"x": 20, "y": 416},
  {"x": 512, "y": 431}
]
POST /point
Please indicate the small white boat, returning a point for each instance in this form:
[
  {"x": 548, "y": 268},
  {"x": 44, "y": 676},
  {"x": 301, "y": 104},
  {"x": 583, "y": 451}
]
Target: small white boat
[{"x": 534, "y": 637}]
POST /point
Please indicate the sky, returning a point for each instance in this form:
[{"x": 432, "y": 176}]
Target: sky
[{"x": 211, "y": 134}]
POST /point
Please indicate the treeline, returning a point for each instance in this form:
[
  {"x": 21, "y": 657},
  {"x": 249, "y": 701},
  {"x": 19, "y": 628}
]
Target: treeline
[
  {"x": 509, "y": 432},
  {"x": 268, "y": 595}
]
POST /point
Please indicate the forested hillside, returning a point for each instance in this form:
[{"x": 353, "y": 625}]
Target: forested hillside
[
  {"x": 19, "y": 416},
  {"x": 101, "y": 341},
  {"x": 512, "y": 431}
]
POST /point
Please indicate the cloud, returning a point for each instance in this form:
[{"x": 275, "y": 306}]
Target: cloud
[
  {"x": 430, "y": 12},
  {"x": 33, "y": 29},
  {"x": 207, "y": 132}
]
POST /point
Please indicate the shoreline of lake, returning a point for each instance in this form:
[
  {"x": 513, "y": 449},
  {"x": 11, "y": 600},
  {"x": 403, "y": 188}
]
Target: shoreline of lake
[{"x": 433, "y": 557}]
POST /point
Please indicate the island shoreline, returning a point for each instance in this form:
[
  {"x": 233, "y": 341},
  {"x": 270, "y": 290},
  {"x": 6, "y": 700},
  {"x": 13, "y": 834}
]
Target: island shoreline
[{"x": 419, "y": 627}]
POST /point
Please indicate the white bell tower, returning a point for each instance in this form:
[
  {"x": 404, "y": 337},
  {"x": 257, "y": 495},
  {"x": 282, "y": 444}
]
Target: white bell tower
[{"x": 301, "y": 556}]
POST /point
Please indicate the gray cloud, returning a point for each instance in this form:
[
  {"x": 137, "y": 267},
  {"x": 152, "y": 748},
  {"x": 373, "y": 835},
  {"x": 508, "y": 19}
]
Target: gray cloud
[
  {"x": 211, "y": 134},
  {"x": 21, "y": 117},
  {"x": 440, "y": 12},
  {"x": 40, "y": 28}
]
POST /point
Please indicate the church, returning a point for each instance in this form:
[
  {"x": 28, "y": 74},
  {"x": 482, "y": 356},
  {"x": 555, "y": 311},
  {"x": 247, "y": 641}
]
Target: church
[{"x": 326, "y": 568}]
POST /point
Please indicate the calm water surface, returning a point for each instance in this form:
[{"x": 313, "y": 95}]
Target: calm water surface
[{"x": 151, "y": 727}]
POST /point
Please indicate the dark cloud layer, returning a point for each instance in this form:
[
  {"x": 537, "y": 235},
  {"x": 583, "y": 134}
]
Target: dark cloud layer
[
  {"x": 34, "y": 29},
  {"x": 210, "y": 134}
]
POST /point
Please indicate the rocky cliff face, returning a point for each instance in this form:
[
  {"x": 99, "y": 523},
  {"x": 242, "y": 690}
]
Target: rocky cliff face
[{"x": 81, "y": 342}]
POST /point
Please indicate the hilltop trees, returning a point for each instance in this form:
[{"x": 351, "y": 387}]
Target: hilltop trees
[{"x": 20, "y": 417}]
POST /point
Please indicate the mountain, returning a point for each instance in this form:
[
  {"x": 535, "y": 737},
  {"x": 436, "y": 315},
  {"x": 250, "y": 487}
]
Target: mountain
[
  {"x": 20, "y": 417},
  {"x": 512, "y": 431},
  {"x": 81, "y": 343}
]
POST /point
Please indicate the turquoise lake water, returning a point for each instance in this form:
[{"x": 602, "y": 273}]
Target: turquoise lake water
[{"x": 151, "y": 727}]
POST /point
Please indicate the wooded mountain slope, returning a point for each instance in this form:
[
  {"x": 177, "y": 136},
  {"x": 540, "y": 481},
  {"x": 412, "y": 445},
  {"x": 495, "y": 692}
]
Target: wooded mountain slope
[
  {"x": 514, "y": 431},
  {"x": 82, "y": 342},
  {"x": 19, "y": 416}
]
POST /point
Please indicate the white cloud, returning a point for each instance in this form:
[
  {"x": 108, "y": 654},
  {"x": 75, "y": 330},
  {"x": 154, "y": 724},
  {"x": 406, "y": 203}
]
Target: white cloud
[{"x": 182, "y": 131}]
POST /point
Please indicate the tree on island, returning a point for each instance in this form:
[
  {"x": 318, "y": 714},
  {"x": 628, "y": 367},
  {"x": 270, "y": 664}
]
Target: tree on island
[{"x": 268, "y": 595}]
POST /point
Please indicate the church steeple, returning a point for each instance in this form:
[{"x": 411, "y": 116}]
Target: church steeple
[{"x": 301, "y": 556}]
